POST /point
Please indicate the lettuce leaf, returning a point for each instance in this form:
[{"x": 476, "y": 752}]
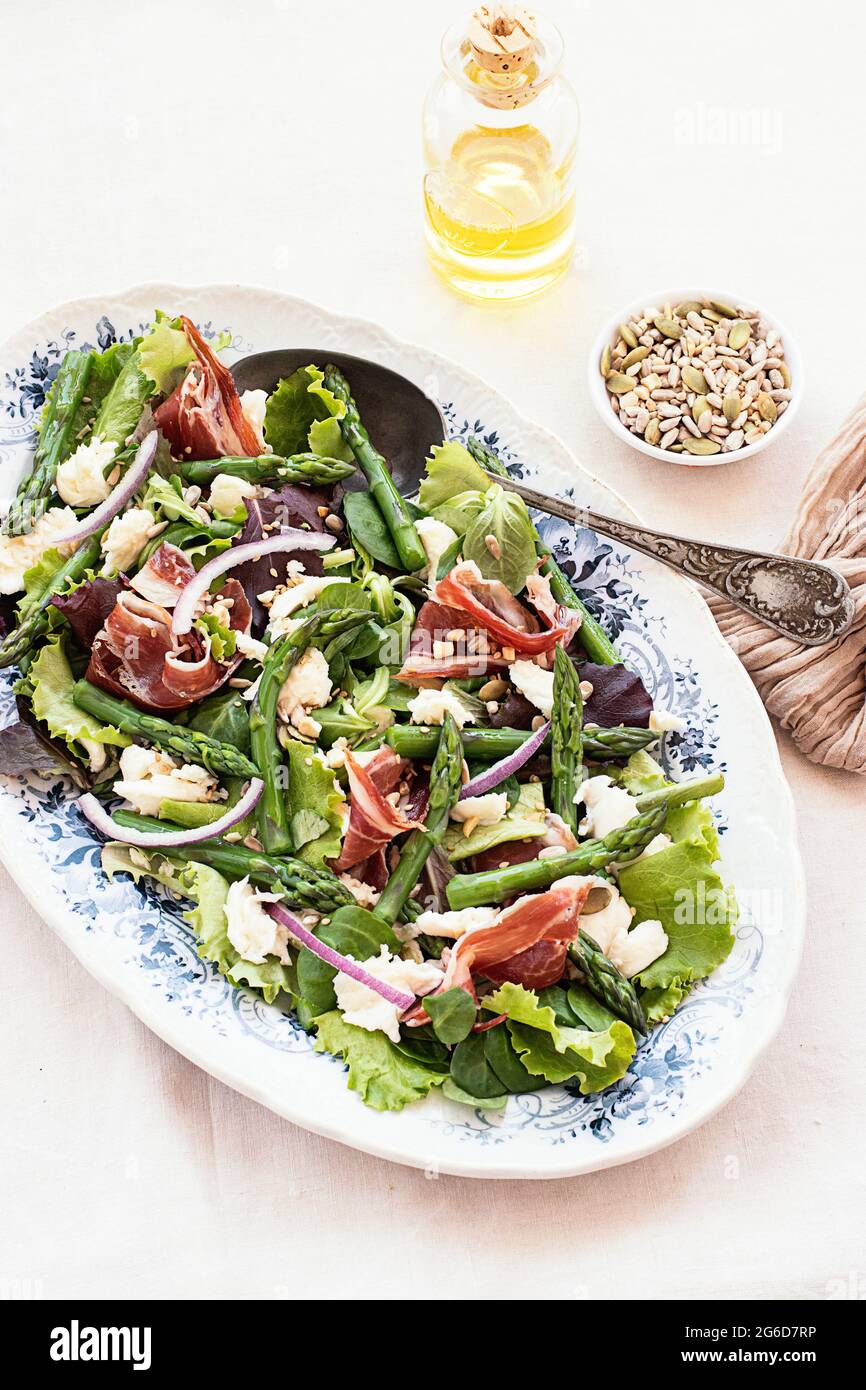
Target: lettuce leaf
[
  {"x": 460, "y": 511},
  {"x": 302, "y": 414},
  {"x": 223, "y": 640},
  {"x": 659, "y": 1004},
  {"x": 316, "y": 801},
  {"x": 692, "y": 821},
  {"x": 164, "y": 497},
  {"x": 501, "y": 540},
  {"x": 523, "y": 820},
  {"x": 681, "y": 888},
  {"x": 451, "y": 469},
  {"x": 384, "y": 1077},
  {"x": 560, "y": 1053},
  {"x": 164, "y": 355},
  {"x": 121, "y": 407},
  {"x": 51, "y": 681}
]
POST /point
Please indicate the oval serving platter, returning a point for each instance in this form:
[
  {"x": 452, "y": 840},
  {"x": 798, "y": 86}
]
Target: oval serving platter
[{"x": 135, "y": 942}]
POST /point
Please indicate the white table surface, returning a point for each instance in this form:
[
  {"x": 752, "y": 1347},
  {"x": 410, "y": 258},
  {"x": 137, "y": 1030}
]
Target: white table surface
[{"x": 278, "y": 144}]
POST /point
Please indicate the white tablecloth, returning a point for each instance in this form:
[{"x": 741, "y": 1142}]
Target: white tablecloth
[{"x": 277, "y": 144}]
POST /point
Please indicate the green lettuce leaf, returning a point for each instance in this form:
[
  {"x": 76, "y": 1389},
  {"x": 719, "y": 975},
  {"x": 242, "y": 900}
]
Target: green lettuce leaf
[
  {"x": 164, "y": 354},
  {"x": 118, "y": 858},
  {"x": 164, "y": 497},
  {"x": 659, "y": 1004},
  {"x": 316, "y": 800},
  {"x": 51, "y": 682},
  {"x": 642, "y": 774},
  {"x": 460, "y": 511},
  {"x": 559, "y": 1053},
  {"x": 302, "y": 414},
  {"x": 384, "y": 1077},
  {"x": 526, "y": 818},
  {"x": 121, "y": 408},
  {"x": 681, "y": 888},
  {"x": 451, "y": 469},
  {"x": 209, "y": 890},
  {"x": 692, "y": 821},
  {"x": 223, "y": 640},
  {"x": 501, "y": 540}
]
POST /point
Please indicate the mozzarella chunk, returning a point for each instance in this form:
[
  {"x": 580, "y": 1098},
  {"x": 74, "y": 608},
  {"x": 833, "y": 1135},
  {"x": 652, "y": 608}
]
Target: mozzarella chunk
[
  {"x": 486, "y": 810},
  {"x": 250, "y": 646},
  {"x": 431, "y": 706},
  {"x": 148, "y": 777},
  {"x": 365, "y": 1008},
  {"x": 307, "y": 686},
  {"x": 365, "y": 894},
  {"x": 608, "y": 807},
  {"x": 126, "y": 537},
  {"x": 533, "y": 682},
  {"x": 664, "y": 721},
  {"x": 286, "y": 601},
  {"x": 81, "y": 479},
  {"x": 254, "y": 404},
  {"x": 436, "y": 537},
  {"x": 612, "y": 919},
  {"x": 19, "y": 553},
  {"x": 227, "y": 493},
  {"x": 251, "y": 931},
  {"x": 453, "y": 924},
  {"x": 632, "y": 951}
]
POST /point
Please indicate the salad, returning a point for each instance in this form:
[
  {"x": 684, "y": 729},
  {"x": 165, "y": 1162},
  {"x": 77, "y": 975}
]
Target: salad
[{"x": 380, "y": 747}]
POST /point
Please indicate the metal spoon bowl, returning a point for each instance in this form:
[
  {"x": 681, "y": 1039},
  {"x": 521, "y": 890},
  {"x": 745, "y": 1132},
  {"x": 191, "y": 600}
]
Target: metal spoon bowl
[{"x": 807, "y": 602}]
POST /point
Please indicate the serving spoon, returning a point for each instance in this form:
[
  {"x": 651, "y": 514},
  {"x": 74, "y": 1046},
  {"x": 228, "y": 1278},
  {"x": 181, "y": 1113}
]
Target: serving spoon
[{"x": 803, "y": 600}]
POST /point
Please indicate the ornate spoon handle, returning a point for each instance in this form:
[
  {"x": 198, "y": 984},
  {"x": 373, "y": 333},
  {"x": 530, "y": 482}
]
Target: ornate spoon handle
[{"x": 805, "y": 601}]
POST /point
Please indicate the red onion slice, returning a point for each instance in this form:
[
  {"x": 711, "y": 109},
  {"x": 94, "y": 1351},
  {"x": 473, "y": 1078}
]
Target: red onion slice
[
  {"x": 119, "y": 495},
  {"x": 196, "y": 589},
  {"x": 169, "y": 839},
  {"x": 349, "y": 967},
  {"x": 497, "y": 772}
]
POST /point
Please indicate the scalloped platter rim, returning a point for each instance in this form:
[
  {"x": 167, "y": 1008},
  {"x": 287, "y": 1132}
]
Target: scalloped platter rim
[{"x": 135, "y": 942}]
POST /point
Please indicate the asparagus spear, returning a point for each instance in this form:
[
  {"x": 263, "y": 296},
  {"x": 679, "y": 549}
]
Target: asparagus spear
[
  {"x": 678, "y": 793},
  {"x": 56, "y": 440},
  {"x": 317, "y": 889},
  {"x": 375, "y": 469},
  {"x": 490, "y": 462},
  {"x": 606, "y": 983},
  {"x": 311, "y": 469},
  {"x": 445, "y": 783},
  {"x": 272, "y": 816},
  {"x": 566, "y": 740},
  {"x": 187, "y": 743},
  {"x": 495, "y": 885},
  {"x": 34, "y": 619},
  {"x": 489, "y": 745},
  {"x": 592, "y": 636}
]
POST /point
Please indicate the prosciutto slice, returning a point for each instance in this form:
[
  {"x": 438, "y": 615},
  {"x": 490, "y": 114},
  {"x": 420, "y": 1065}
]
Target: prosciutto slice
[
  {"x": 539, "y": 594},
  {"x": 137, "y": 656},
  {"x": 492, "y": 607},
  {"x": 470, "y": 657},
  {"x": 551, "y": 917},
  {"x": 167, "y": 572},
  {"x": 373, "y": 820},
  {"x": 202, "y": 418}
]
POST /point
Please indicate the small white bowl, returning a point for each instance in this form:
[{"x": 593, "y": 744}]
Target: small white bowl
[{"x": 601, "y": 399}]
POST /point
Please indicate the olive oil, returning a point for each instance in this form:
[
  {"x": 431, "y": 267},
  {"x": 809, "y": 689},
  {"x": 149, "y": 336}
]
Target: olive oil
[{"x": 499, "y": 187}]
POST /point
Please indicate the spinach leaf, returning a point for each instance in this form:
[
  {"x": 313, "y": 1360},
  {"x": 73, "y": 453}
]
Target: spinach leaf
[
  {"x": 505, "y": 1063},
  {"x": 454, "y": 1092},
  {"x": 225, "y": 717},
  {"x": 471, "y": 1071},
  {"x": 353, "y": 932},
  {"x": 588, "y": 1010},
  {"x": 367, "y": 528},
  {"x": 452, "y": 1014},
  {"x": 501, "y": 540}
]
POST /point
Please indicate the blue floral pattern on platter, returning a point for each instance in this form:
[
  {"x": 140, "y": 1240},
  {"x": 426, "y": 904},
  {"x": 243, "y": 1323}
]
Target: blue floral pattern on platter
[{"x": 148, "y": 925}]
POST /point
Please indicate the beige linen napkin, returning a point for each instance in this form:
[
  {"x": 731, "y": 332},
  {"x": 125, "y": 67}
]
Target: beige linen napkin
[{"x": 818, "y": 693}]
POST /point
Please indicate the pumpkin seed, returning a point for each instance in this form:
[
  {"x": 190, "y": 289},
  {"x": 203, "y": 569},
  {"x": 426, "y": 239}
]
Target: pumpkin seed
[
  {"x": 786, "y": 375},
  {"x": 628, "y": 335},
  {"x": 726, "y": 310},
  {"x": 675, "y": 449},
  {"x": 619, "y": 383},
  {"x": 739, "y": 335},
  {"x": 688, "y": 306},
  {"x": 701, "y": 446},
  {"x": 732, "y": 405},
  {"x": 699, "y": 408},
  {"x": 711, "y": 315},
  {"x": 668, "y": 327},
  {"x": 605, "y": 362},
  {"x": 636, "y": 355},
  {"x": 652, "y": 433},
  {"x": 694, "y": 379},
  {"x": 766, "y": 407}
]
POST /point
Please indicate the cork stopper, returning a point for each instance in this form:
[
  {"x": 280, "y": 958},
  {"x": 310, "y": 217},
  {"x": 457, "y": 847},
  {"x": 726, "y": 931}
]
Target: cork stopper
[{"x": 502, "y": 37}]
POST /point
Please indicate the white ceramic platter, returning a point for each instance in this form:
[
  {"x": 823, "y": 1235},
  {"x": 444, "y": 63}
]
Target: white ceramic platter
[{"x": 134, "y": 940}]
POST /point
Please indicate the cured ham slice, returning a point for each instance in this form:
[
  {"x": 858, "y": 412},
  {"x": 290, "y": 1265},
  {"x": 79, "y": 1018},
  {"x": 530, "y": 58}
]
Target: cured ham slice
[
  {"x": 551, "y": 917},
  {"x": 137, "y": 656},
  {"x": 471, "y": 655},
  {"x": 555, "y": 614},
  {"x": 203, "y": 418},
  {"x": 167, "y": 572},
  {"x": 492, "y": 607},
  {"x": 373, "y": 819}
]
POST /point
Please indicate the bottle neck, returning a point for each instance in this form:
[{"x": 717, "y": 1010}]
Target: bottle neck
[{"x": 506, "y": 84}]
